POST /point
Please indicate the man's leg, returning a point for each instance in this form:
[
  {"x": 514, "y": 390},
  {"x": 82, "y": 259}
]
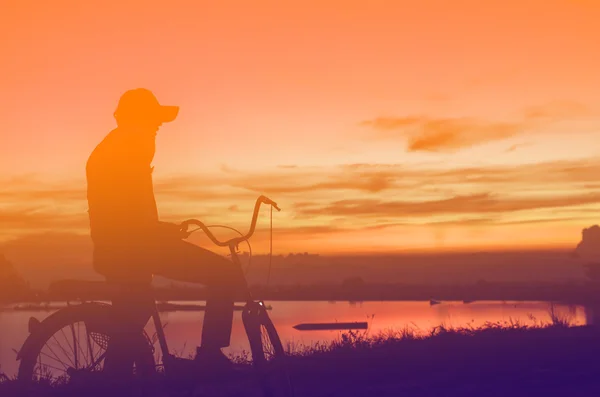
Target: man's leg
[
  {"x": 131, "y": 309},
  {"x": 183, "y": 261}
]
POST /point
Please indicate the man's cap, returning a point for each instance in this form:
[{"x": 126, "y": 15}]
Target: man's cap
[{"x": 140, "y": 103}]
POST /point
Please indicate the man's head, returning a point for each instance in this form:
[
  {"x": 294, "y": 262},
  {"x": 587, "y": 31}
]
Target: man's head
[{"x": 139, "y": 109}]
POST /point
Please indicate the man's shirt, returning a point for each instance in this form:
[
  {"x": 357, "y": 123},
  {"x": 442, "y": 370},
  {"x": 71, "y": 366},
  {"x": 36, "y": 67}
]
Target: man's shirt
[{"x": 122, "y": 207}]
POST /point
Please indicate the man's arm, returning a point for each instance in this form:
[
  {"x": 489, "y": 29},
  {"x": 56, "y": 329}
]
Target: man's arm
[{"x": 171, "y": 230}]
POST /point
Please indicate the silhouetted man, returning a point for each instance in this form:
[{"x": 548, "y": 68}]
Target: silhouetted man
[{"x": 131, "y": 244}]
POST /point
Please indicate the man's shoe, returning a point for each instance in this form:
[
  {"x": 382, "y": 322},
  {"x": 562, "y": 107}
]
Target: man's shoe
[{"x": 212, "y": 360}]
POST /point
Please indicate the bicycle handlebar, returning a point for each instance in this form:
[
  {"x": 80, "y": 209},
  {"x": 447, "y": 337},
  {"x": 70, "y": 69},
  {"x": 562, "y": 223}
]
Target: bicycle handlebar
[{"x": 234, "y": 241}]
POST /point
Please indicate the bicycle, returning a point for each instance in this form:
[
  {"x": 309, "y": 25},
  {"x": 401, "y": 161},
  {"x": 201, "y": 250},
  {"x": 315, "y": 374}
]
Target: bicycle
[{"x": 268, "y": 355}]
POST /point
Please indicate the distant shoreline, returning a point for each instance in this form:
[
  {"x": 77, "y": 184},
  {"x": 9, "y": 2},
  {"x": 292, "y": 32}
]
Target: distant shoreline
[
  {"x": 567, "y": 293},
  {"x": 161, "y": 306}
]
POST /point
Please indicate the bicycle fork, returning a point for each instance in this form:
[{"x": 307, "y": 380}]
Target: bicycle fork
[{"x": 160, "y": 333}]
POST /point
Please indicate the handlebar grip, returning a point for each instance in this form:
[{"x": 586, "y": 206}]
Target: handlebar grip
[
  {"x": 185, "y": 224},
  {"x": 267, "y": 200}
]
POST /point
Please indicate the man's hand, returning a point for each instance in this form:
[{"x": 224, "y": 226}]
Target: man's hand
[
  {"x": 173, "y": 230},
  {"x": 183, "y": 231}
]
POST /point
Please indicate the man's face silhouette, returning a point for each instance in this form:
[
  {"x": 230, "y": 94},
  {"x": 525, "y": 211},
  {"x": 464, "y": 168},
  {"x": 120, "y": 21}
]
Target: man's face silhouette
[{"x": 144, "y": 126}]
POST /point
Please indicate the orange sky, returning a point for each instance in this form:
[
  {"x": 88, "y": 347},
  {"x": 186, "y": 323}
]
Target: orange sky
[{"x": 376, "y": 125}]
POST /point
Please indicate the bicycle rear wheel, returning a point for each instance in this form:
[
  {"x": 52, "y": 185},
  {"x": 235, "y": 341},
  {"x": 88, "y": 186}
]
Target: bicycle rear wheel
[
  {"x": 268, "y": 355},
  {"x": 69, "y": 348}
]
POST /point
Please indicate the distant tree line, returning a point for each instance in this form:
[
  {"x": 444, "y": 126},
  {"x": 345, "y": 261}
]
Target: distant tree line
[{"x": 12, "y": 286}]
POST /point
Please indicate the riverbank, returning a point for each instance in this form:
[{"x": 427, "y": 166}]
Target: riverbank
[
  {"x": 160, "y": 306},
  {"x": 498, "y": 359},
  {"x": 581, "y": 293}
]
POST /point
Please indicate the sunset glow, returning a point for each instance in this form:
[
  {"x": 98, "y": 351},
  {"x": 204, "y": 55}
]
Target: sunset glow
[{"x": 376, "y": 126}]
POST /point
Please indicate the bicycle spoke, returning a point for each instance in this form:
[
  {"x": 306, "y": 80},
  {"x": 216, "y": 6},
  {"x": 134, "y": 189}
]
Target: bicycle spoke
[
  {"x": 84, "y": 356},
  {"x": 62, "y": 330},
  {"x": 96, "y": 357},
  {"x": 52, "y": 351},
  {"x": 268, "y": 348},
  {"x": 56, "y": 368},
  {"x": 49, "y": 373},
  {"x": 89, "y": 345},
  {"x": 75, "y": 351},
  {"x": 55, "y": 355},
  {"x": 60, "y": 345},
  {"x": 100, "y": 358},
  {"x": 39, "y": 365},
  {"x": 51, "y": 358}
]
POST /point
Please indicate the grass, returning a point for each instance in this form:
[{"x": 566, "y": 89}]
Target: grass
[
  {"x": 3, "y": 377},
  {"x": 466, "y": 355},
  {"x": 511, "y": 357},
  {"x": 364, "y": 340}
]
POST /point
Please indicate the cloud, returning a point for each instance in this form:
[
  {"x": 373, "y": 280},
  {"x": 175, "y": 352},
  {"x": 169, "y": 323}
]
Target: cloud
[
  {"x": 435, "y": 134},
  {"x": 34, "y": 219},
  {"x": 317, "y": 179},
  {"x": 483, "y": 203},
  {"x": 346, "y": 197},
  {"x": 302, "y": 184},
  {"x": 373, "y": 183},
  {"x": 32, "y": 187},
  {"x": 443, "y": 134},
  {"x": 516, "y": 146},
  {"x": 466, "y": 221},
  {"x": 463, "y": 222},
  {"x": 557, "y": 110},
  {"x": 359, "y": 177},
  {"x": 544, "y": 220}
]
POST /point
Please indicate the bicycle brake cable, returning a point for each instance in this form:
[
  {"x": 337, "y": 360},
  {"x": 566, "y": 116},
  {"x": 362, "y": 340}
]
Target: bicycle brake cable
[
  {"x": 238, "y": 232},
  {"x": 270, "y": 248}
]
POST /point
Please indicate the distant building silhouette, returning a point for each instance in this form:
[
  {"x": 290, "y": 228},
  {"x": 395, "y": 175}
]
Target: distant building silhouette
[
  {"x": 12, "y": 285},
  {"x": 588, "y": 250},
  {"x": 589, "y": 247}
]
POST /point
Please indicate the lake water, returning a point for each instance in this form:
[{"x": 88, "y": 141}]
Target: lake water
[{"x": 183, "y": 329}]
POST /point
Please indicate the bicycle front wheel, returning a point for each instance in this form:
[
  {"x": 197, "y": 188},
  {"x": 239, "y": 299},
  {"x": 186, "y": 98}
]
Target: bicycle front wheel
[{"x": 268, "y": 355}]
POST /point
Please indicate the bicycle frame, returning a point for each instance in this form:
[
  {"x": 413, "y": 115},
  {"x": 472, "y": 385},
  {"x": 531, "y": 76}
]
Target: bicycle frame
[
  {"x": 160, "y": 333},
  {"x": 253, "y": 316},
  {"x": 232, "y": 244}
]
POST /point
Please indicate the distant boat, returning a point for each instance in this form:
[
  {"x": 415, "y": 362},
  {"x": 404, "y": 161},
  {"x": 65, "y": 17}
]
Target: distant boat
[
  {"x": 467, "y": 302},
  {"x": 433, "y": 302},
  {"x": 330, "y": 326},
  {"x": 174, "y": 307}
]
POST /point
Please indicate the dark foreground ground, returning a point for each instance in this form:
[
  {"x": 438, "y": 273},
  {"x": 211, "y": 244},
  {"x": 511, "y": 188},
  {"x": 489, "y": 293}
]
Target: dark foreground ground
[
  {"x": 493, "y": 361},
  {"x": 556, "y": 361}
]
